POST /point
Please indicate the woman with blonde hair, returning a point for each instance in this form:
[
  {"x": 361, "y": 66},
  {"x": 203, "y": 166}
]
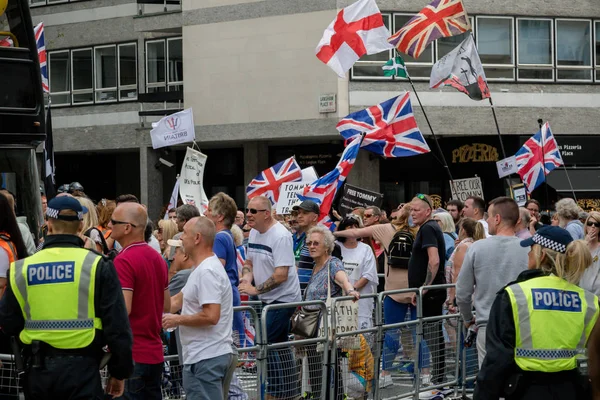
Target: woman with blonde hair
[
  {"x": 167, "y": 228},
  {"x": 446, "y": 222},
  {"x": 540, "y": 324},
  {"x": 589, "y": 280},
  {"x": 92, "y": 236}
]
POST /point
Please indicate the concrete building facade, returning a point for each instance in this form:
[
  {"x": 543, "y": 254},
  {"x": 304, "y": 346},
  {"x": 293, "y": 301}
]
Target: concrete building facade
[{"x": 248, "y": 69}]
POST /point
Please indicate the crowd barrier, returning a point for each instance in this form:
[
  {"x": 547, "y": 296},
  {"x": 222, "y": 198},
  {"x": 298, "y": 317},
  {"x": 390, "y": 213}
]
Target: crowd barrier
[{"x": 345, "y": 365}]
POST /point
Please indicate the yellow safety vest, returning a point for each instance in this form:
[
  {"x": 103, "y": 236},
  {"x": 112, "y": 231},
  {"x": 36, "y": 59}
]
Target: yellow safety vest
[
  {"x": 553, "y": 321},
  {"x": 55, "y": 289}
]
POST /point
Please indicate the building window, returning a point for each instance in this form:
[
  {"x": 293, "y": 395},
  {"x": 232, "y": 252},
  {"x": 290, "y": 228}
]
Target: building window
[
  {"x": 495, "y": 43},
  {"x": 597, "y": 47},
  {"x": 101, "y": 74},
  {"x": 164, "y": 65},
  {"x": 573, "y": 50},
  {"x": 369, "y": 66},
  {"x": 534, "y": 49},
  {"x": 127, "y": 71},
  {"x": 35, "y": 3},
  {"x": 417, "y": 68},
  {"x": 175, "y": 64},
  {"x": 82, "y": 77},
  {"x": 59, "y": 67}
]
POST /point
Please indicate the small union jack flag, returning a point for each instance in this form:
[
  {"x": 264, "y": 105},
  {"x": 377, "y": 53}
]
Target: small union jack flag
[
  {"x": 267, "y": 183},
  {"x": 41, "y": 48},
  {"x": 323, "y": 190},
  {"x": 390, "y": 127},
  {"x": 441, "y": 18},
  {"x": 538, "y": 156}
]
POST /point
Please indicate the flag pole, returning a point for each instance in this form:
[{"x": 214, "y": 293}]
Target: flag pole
[
  {"x": 435, "y": 139},
  {"x": 540, "y": 121},
  {"x": 497, "y": 127}
]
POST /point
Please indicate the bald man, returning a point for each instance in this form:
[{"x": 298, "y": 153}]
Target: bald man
[{"x": 143, "y": 275}]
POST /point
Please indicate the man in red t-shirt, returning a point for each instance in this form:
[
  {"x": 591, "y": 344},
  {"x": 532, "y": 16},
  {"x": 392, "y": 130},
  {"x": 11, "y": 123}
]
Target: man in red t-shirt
[{"x": 143, "y": 275}]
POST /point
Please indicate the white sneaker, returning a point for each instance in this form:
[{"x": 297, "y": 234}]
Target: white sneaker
[
  {"x": 426, "y": 379},
  {"x": 435, "y": 394},
  {"x": 385, "y": 381},
  {"x": 432, "y": 395}
]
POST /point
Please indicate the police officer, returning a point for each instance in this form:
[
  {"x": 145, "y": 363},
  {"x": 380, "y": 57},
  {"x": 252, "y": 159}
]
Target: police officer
[
  {"x": 540, "y": 324},
  {"x": 65, "y": 304}
]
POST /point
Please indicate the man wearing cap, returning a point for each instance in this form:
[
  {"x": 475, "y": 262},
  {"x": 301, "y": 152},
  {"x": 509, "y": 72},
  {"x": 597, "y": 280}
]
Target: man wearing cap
[
  {"x": 539, "y": 325},
  {"x": 65, "y": 304}
]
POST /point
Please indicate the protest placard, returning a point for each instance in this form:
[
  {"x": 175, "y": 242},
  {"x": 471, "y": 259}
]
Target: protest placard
[
  {"x": 507, "y": 166},
  {"x": 287, "y": 196},
  {"x": 354, "y": 196},
  {"x": 190, "y": 180},
  {"x": 464, "y": 188}
]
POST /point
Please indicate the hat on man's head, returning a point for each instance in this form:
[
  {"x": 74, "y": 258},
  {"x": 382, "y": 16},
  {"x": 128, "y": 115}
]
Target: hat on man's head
[
  {"x": 62, "y": 203},
  {"x": 308, "y": 205},
  {"x": 550, "y": 237}
]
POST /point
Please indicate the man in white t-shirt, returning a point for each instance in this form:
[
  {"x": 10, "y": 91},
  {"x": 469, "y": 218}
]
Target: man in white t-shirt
[
  {"x": 206, "y": 305},
  {"x": 271, "y": 264},
  {"x": 475, "y": 208}
]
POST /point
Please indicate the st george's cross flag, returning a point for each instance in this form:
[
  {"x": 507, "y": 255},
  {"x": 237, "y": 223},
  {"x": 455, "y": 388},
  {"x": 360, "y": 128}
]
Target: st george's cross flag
[
  {"x": 461, "y": 69},
  {"x": 441, "y": 18},
  {"x": 323, "y": 190},
  {"x": 390, "y": 127},
  {"x": 41, "y": 49},
  {"x": 357, "y": 30},
  {"x": 267, "y": 183},
  {"x": 538, "y": 157}
]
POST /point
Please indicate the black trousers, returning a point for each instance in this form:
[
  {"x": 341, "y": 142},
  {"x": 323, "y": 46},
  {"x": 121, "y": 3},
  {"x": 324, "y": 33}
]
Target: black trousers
[
  {"x": 433, "y": 302},
  {"x": 64, "y": 377}
]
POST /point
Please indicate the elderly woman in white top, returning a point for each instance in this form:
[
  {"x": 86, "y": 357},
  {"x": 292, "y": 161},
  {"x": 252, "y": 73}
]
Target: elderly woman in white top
[{"x": 589, "y": 279}]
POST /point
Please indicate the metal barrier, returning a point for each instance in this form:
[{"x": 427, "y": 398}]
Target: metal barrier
[
  {"x": 285, "y": 365},
  {"x": 347, "y": 364}
]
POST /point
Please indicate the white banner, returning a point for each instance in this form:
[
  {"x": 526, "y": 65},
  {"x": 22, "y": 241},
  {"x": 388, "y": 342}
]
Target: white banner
[
  {"x": 464, "y": 188},
  {"x": 309, "y": 174},
  {"x": 507, "y": 166},
  {"x": 190, "y": 180},
  {"x": 173, "y": 129},
  {"x": 287, "y": 196}
]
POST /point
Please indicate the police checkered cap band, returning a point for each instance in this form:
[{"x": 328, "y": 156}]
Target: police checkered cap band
[
  {"x": 54, "y": 213},
  {"x": 549, "y": 243}
]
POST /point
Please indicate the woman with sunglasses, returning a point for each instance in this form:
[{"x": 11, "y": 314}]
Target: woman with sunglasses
[
  {"x": 589, "y": 280},
  {"x": 329, "y": 275}
]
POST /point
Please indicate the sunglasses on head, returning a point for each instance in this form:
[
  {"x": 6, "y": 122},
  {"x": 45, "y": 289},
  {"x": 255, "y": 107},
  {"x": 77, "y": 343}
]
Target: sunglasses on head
[
  {"x": 421, "y": 196},
  {"x": 253, "y": 210},
  {"x": 591, "y": 223}
]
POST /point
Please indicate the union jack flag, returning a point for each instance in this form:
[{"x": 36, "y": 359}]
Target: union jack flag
[
  {"x": 538, "y": 156},
  {"x": 323, "y": 190},
  {"x": 7, "y": 42},
  {"x": 41, "y": 48},
  {"x": 441, "y": 18},
  {"x": 267, "y": 183},
  {"x": 390, "y": 127}
]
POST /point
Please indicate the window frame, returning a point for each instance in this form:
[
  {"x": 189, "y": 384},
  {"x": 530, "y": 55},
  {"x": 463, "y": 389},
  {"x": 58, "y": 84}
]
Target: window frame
[
  {"x": 44, "y": 3},
  {"x": 94, "y": 90},
  {"x": 156, "y": 84},
  {"x": 74, "y": 91},
  {"x": 551, "y": 67},
  {"x": 591, "y": 67},
  {"x": 115, "y": 89},
  {"x": 121, "y": 87},
  {"x": 168, "y": 82},
  {"x": 596, "y": 65},
  {"x": 512, "y": 66},
  {"x": 68, "y": 78}
]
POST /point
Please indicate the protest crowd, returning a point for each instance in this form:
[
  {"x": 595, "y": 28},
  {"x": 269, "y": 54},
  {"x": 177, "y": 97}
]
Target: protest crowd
[
  {"x": 308, "y": 288},
  {"x": 180, "y": 282}
]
